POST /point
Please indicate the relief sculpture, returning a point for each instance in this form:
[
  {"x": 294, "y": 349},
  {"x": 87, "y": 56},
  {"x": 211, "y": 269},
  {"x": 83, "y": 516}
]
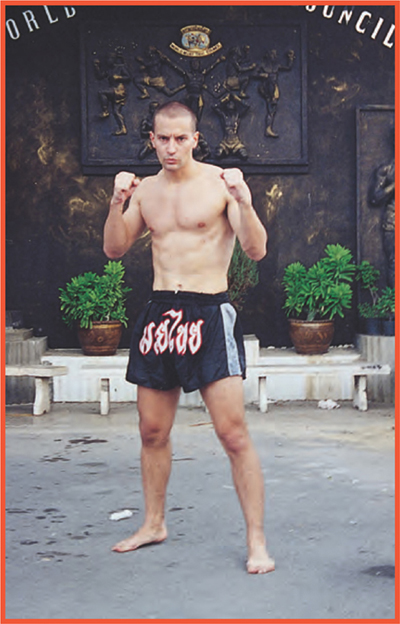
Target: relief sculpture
[
  {"x": 114, "y": 96},
  {"x": 152, "y": 73},
  {"x": 145, "y": 128},
  {"x": 228, "y": 85},
  {"x": 268, "y": 74},
  {"x": 238, "y": 71},
  {"x": 194, "y": 82},
  {"x": 230, "y": 109}
]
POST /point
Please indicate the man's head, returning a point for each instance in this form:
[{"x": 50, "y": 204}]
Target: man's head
[
  {"x": 174, "y": 135},
  {"x": 175, "y": 109}
]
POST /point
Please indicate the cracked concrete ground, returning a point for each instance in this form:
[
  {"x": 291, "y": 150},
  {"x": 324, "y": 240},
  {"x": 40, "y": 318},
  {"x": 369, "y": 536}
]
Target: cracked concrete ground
[{"x": 329, "y": 478}]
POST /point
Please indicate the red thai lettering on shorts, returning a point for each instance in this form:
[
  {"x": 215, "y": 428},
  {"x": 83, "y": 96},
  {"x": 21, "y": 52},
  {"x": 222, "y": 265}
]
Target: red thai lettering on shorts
[
  {"x": 146, "y": 342},
  {"x": 172, "y": 334}
]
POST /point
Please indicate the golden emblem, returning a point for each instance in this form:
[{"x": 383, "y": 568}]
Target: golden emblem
[{"x": 196, "y": 42}]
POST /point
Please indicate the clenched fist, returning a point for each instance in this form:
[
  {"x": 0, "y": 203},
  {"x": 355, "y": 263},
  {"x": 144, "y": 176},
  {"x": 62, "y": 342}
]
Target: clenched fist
[
  {"x": 124, "y": 185},
  {"x": 236, "y": 185}
]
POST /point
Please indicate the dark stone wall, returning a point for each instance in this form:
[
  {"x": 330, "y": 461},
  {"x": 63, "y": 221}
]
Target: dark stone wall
[{"x": 55, "y": 214}]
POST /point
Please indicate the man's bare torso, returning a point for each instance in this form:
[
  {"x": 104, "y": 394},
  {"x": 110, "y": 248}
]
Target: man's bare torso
[{"x": 192, "y": 240}]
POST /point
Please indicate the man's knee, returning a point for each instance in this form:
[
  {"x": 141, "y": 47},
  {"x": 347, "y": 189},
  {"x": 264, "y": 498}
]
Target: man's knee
[
  {"x": 152, "y": 434},
  {"x": 235, "y": 439}
]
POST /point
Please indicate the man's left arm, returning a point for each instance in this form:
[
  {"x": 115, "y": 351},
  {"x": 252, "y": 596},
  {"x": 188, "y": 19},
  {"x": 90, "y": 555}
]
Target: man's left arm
[{"x": 243, "y": 218}]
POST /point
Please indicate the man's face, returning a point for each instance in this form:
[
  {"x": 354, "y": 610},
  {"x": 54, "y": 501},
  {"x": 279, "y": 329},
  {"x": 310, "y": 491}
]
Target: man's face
[{"x": 174, "y": 140}]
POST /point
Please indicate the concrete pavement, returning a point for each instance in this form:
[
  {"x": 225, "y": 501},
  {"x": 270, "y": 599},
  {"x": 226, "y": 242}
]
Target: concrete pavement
[{"x": 329, "y": 479}]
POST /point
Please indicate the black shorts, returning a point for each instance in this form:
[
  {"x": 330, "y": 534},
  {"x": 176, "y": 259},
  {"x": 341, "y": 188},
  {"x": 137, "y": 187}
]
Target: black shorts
[{"x": 186, "y": 339}]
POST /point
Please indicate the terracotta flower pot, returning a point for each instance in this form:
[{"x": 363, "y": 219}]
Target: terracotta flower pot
[
  {"x": 102, "y": 339},
  {"x": 311, "y": 337}
]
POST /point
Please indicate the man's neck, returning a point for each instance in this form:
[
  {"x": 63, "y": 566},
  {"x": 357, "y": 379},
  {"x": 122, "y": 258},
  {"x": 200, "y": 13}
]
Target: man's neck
[{"x": 180, "y": 175}]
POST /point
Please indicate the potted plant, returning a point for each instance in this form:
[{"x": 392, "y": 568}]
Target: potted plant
[
  {"x": 386, "y": 308},
  {"x": 95, "y": 304},
  {"x": 370, "y": 314},
  {"x": 315, "y": 296},
  {"x": 242, "y": 276}
]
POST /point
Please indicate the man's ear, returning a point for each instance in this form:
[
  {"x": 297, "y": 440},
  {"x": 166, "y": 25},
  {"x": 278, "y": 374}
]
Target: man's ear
[
  {"x": 152, "y": 138},
  {"x": 196, "y": 139}
]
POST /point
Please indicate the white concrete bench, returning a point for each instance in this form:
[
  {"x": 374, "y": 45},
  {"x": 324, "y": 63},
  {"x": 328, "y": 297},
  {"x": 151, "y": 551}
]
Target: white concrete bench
[
  {"x": 358, "y": 370},
  {"x": 42, "y": 374},
  {"x": 101, "y": 379}
]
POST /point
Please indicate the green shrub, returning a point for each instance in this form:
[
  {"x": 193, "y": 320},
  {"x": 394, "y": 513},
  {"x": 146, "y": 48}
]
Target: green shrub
[
  {"x": 381, "y": 305},
  {"x": 322, "y": 291},
  {"x": 386, "y": 303},
  {"x": 91, "y": 297},
  {"x": 242, "y": 276}
]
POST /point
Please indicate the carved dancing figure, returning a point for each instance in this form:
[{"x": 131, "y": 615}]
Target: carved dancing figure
[
  {"x": 237, "y": 70},
  {"x": 230, "y": 112},
  {"x": 115, "y": 96},
  {"x": 151, "y": 65},
  {"x": 269, "y": 88},
  {"x": 146, "y": 128},
  {"x": 194, "y": 82}
]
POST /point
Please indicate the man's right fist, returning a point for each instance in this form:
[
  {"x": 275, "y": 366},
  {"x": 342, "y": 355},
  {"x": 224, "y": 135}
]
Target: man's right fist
[{"x": 124, "y": 185}]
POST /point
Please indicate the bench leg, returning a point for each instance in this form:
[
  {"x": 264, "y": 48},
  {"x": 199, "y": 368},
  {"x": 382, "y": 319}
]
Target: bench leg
[
  {"x": 104, "y": 396},
  {"x": 360, "y": 399},
  {"x": 262, "y": 394},
  {"x": 42, "y": 396}
]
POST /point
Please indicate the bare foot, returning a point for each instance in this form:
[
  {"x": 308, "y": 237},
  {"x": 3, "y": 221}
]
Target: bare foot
[
  {"x": 259, "y": 561},
  {"x": 142, "y": 537}
]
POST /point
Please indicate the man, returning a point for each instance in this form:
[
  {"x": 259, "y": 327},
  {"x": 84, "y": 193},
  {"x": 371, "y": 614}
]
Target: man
[{"x": 187, "y": 335}]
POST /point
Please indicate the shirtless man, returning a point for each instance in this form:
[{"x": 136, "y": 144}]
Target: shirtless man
[{"x": 188, "y": 334}]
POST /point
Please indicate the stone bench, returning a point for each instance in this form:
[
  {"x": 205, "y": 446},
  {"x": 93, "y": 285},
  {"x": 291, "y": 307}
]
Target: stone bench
[
  {"x": 358, "y": 370},
  {"x": 101, "y": 379},
  {"x": 42, "y": 374}
]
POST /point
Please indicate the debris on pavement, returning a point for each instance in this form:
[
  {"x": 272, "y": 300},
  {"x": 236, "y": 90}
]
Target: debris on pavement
[
  {"x": 328, "y": 404},
  {"x": 121, "y": 515}
]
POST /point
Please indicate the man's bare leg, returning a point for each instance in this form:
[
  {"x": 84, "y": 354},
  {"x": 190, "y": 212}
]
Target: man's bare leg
[
  {"x": 156, "y": 416},
  {"x": 224, "y": 400}
]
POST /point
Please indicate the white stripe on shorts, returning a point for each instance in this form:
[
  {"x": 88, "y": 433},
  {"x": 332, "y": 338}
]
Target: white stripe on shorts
[{"x": 229, "y": 318}]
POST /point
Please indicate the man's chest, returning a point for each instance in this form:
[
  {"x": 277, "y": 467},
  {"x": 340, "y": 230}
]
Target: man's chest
[{"x": 182, "y": 210}]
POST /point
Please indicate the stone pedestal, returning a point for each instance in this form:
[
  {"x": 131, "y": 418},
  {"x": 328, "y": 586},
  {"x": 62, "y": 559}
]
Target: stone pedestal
[{"x": 379, "y": 349}]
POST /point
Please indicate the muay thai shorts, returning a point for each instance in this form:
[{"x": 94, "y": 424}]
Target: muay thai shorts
[{"x": 186, "y": 339}]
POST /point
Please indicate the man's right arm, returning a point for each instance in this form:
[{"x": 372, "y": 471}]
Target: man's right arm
[{"x": 122, "y": 229}]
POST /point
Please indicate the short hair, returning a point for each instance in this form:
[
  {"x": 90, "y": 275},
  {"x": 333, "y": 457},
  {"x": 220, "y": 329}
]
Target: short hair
[{"x": 175, "y": 109}]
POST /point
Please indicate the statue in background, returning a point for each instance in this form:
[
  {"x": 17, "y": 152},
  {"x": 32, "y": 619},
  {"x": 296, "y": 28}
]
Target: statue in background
[{"x": 381, "y": 194}]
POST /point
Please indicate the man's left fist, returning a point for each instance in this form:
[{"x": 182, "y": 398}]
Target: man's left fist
[{"x": 236, "y": 185}]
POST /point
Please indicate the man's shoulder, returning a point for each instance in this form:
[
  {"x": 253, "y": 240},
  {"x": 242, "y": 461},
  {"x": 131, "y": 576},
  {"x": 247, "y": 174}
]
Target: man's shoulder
[
  {"x": 209, "y": 169},
  {"x": 212, "y": 173},
  {"x": 147, "y": 183},
  {"x": 151, "y": 178}
]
